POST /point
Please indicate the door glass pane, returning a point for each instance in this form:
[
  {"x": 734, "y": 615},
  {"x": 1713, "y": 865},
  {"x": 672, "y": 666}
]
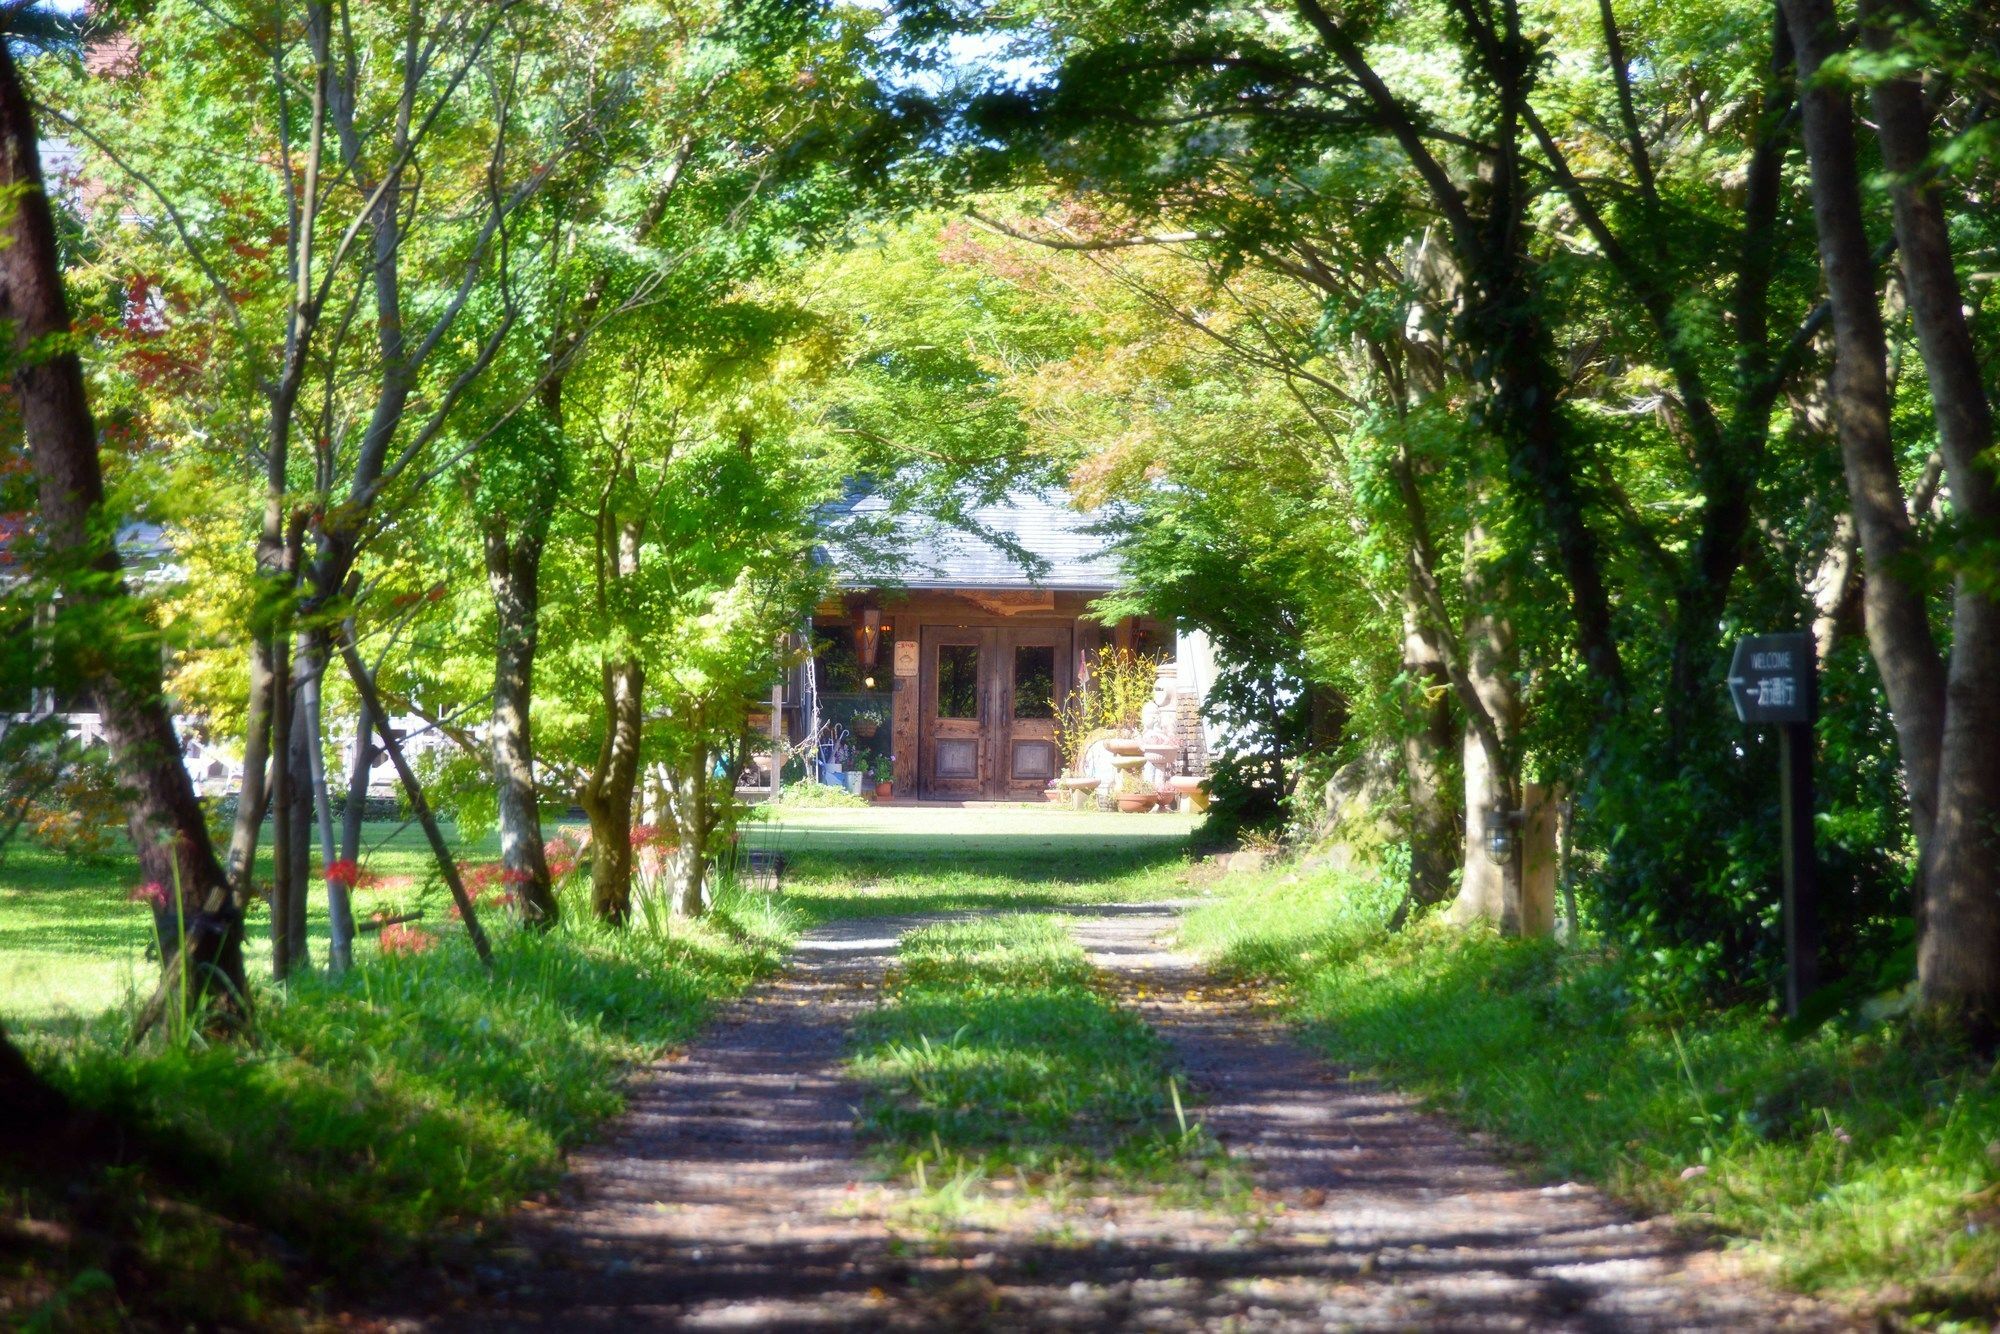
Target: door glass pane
[
  {"x": 1035, "y": 681},
  {"x": 958, "y": 681}
]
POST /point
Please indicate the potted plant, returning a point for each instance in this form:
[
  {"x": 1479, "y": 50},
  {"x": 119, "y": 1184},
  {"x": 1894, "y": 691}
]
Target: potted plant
[
  {"x": 1133, "y": 795},
  {"x": 884, "y": 771},
  {"x": 866, "y": 722}
]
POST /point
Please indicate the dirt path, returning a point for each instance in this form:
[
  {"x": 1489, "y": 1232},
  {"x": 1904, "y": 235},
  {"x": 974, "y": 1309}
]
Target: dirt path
[{"x": 737, "y": 1196}]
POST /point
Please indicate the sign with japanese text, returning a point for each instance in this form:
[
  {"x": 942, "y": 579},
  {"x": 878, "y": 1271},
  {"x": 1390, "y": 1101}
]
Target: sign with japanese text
[{"x": 1772, "y": 679}]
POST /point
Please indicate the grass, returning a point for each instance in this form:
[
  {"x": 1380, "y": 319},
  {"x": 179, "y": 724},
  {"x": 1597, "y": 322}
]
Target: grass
[
  {"x": 998, "y": 1058},
  {"x": 398, "y": 1112},
  {"x": 72, "y": 944},
  {"x": 377, "y": 1119},
  {"x": 1859, "y": 1164},
  {"x": 921, "y": 859}
]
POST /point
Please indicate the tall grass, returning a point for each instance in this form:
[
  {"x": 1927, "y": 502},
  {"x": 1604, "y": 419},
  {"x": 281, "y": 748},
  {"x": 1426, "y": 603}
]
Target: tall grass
[{"x": 1857, "y": 1160}]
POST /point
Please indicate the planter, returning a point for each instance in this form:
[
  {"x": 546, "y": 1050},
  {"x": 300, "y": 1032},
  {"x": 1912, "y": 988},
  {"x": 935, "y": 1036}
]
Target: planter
[
  {"x": 830, "y": 774},
  {"x": 883, "y": 791},
  {"x": 865, "y": 730},
  {"x": 1134, "y": 802},
  {"x": 1123, "y": 745},
  {"x": 853, "y": 779},
  {"x": 1056, "y": 796},
  {"x": 1078, "y": 783},
  {"x": 1191, "y": 792},
  {"x": 1164, "y": 756}
]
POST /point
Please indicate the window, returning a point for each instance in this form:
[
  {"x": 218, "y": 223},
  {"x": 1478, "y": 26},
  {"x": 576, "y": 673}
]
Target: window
[
  {"x": 1035, "y": 681},
  {"x": 958, "y": 681}
]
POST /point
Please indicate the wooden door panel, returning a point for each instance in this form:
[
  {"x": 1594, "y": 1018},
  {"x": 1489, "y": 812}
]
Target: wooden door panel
[
  {"x": 1035, "y": 663},
  {"x": 954, "y": 754}
]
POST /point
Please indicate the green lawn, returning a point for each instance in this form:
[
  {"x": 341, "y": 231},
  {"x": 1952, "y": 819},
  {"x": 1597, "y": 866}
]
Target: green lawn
[
  {"x": 904, "y": 859},
  {"x": 73, "y": 944}
]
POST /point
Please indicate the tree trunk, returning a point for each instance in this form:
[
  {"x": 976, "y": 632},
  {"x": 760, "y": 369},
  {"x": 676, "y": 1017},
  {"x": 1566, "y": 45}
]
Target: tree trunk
[
  {"x": 361, "y": 763},
  {"x": 1959, "y": 944},
  {"x": 300, "y": 817},
  {"x": 693, "y": 815},
  {"x": 1428, "y": 739},
  {"x": 513, "y": 572},
  {"x": 165, "y": 820},
  {"x": 608, "y": 792},
  {"x": 1899, "y": 632},
  {"x": 339, "y": 904},
  {"x": 1489, "y": 890},
  {"x": 280, "y": 895}
]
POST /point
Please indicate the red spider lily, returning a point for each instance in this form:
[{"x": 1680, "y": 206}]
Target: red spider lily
[
  {"x": 559, "y": 848},
  {"x": 344, "y": 870},
  {"x": 479, "y": 878},
  {"x": 401, "y": 939},
  {"x": 644, "y": 833},
  {"x": 153, "y": 894},
  {"x": 514, "y": 875},
  {"x": 560, "y": 868}
]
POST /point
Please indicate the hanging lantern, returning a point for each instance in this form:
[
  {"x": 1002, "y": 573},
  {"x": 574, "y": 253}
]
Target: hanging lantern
[
  {"x": 868, "y": 642},
  {"x": 1500, "y": 823}
]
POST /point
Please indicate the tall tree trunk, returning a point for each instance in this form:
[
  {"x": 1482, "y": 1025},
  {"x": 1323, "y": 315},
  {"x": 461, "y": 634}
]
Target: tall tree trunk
[
  {"x": 693, "y": 813},
  {"x": 1899, "y": 632},
  {"x": 281, "y": 811},
  {"x": 361, "y": 762},
  {"x": 1959, "y": 946},
  {"x": 513, "y": 572},
  {"x": 339, "y": 902},
  {"x": 608, "y": 792},
  {"x": 1428, "y": 738},
  {"x": 299, "y": 816},
  {"x": 165, "y": 821},
  {"x": 1490, "y": 890}
]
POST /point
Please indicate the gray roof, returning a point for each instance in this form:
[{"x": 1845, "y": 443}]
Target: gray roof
[{"x": 922, "y": 552}]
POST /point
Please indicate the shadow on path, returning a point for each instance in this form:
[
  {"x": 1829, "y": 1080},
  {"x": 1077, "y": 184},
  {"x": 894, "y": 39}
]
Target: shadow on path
[{"x": 735, "y": 1195}]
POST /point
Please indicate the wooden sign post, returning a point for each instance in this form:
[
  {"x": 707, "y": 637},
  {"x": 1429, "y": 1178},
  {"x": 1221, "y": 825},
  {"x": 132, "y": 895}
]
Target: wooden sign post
[{"x": 1775, "y": 679}]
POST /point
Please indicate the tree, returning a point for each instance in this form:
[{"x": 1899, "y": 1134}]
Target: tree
[
  {"x": 81, "y": 574},
  {"x": 1947, "y": 718}
]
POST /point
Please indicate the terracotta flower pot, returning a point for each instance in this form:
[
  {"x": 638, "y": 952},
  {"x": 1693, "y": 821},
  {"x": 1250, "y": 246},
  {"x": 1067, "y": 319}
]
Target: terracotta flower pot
[
  {"x": 883, "y": 791},
  {"x": 1134, "y": 802}
]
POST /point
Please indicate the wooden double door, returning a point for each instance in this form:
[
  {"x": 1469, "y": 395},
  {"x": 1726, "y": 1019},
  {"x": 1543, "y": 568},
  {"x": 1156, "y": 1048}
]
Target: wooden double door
[{"x": 986, "y": 709}]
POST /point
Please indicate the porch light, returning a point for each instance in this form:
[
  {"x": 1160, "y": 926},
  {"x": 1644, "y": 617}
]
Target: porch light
[
  {"x": 1500, "y": 837},
  {"x": 870, "y": 647}
]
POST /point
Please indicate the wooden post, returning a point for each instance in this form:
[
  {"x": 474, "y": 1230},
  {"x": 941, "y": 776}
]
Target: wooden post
[
  {"x": 1541, "y": 808},
  {"x": 1801, "y": 905},
  {"x": 777, "y": 737},
  {"x": 365, "y": 686}
]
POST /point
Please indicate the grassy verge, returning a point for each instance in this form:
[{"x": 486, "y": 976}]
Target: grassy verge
[
  {"x": 1863, "y": 1164},
  {"x": 379, "y": 1118},
  {"x": 996, "y": 1059}
]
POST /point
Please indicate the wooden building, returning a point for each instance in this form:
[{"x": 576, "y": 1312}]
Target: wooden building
[{"x": 949, "y": 651}]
